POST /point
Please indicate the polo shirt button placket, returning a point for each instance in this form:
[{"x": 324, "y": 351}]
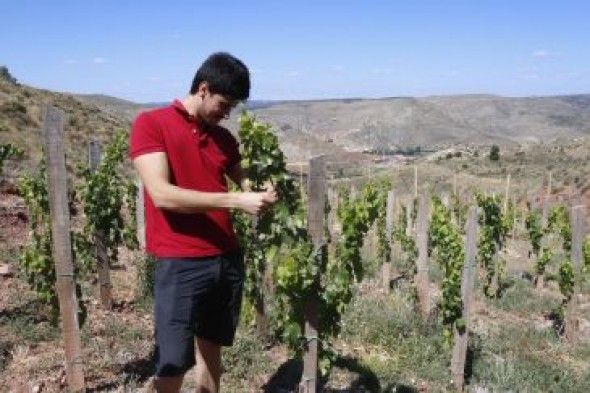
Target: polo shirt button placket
[{"x": 201, "y": 139}]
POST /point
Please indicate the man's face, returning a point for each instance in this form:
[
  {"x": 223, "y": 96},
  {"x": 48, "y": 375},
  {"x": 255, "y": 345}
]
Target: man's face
[{"x": 216, "y": 107}]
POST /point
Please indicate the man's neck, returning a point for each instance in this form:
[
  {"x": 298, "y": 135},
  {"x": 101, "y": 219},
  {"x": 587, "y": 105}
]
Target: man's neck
[{"x": 191, "y": 104}]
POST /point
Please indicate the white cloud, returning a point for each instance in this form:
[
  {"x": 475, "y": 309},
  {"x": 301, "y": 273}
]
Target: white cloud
[
  {"x": 154, "y": 79},
  {"x": 569, "y": 75},
  {"x": 71, "y": 61},
  {"x": 120, "y": 86},
  {"x": 99, "y": 60},
  {"x": 542, "y": 54},
  {"x": 382, "y": 71},
  {"x": 293, "y": 74},
  {"x": 337, "y": 67},
  {"x": 176, "y": 35},
  {"x": 175, "y": 84}
]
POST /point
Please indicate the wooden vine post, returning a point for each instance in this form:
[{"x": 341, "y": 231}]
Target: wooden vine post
[
  {"x": 514, "y": 219},
  {"x": 415, "y": 181},
  {"x": 461, "y": 337},
  {"x": 546, "y": 203},
  {"x": 333, "y": 225},
  {"x": 140, "y": 215},
  {"x": 386, "y": 267},
  {"x": 315, "y": 227},
  {"x": 260, "y": 318},
  {"x": 546, "y": 240},
  {"x": 53, "y": 134},
  {"x": 102, "y": 256},
  {"x": 422, "y": 282},
  {"x": 409, "y": 222},
  {"x": 506, "y": 195},
  {"x": 578, "y": 231}
]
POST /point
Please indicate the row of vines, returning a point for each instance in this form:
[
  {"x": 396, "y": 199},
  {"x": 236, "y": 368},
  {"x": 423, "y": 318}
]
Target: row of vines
[{"x": 287, "y": 267}]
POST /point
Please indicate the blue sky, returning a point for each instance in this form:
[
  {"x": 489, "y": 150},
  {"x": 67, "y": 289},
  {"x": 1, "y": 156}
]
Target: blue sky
[{"x": 147, "y": 51}]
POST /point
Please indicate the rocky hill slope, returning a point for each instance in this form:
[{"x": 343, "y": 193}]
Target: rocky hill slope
[
  {"x": 21, "y": 112},
  {"x": 435, "y": 121},
  {"x": 306, "y": 128}
]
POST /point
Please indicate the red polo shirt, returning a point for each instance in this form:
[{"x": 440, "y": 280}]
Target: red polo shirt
[{"x": 198, "y": 158}]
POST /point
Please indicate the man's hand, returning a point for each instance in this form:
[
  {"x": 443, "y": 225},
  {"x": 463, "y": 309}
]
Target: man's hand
[
  {"x": 257, "y": 202},
  {"x": 268, "y": 186}
]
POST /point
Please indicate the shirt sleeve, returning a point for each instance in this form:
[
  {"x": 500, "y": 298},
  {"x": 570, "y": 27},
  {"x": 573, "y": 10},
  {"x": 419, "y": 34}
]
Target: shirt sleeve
[{"x": 146, "y": 136}]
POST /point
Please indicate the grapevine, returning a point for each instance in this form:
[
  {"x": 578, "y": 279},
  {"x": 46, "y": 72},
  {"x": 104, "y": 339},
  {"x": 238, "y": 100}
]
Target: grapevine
[
  {"x": 383, "y": 242},
  {"x": 408, "y": 244},
  {"x": 543, "y": 255},
  {"x": 447, "y": 246},
  {"x": 586, "y": 257},
  {"x": 509, "y": 217},
  {"x": 302, "y": 270},
  {"x": 36, "y": 259},
  {"x": 280, "y": 236},
  {"x": 559, "y": 222},
  {"x": 535, "y": 231},
  {"x": 493, "y": 232},
  {"x": 9, "y": 151},
  {"x": 356, "y": 216},
  {"x": 103, "y": 195},
  {"x": 129, "y": 230},
  {"x": 459, "y": 210},
  {"x": 262, "y": 161}
]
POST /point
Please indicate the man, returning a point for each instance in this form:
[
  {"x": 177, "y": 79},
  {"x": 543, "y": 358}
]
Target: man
[{"x": 183, "y": 156}]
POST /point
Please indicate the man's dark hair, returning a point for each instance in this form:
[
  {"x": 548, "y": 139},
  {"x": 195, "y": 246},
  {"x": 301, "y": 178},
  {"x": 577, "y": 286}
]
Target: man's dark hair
[{"x": 225, "y": 75}]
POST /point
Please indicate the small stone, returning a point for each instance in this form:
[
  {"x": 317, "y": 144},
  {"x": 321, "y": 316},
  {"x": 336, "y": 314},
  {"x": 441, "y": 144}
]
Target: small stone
[{"x": 6, "y": 270}]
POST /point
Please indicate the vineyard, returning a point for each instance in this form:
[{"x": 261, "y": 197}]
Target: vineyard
[{"x": 385, "y": 281}]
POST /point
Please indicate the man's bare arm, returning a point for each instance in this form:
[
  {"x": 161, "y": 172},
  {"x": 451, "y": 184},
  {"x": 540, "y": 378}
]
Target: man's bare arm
[{"x": 155, "y": 174}]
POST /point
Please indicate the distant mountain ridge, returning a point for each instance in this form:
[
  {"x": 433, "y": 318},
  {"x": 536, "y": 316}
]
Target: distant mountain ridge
[
  {"x": 311, "y": 127},
  {"x": 251, "y": 104},
  {"x": 358, "y": 123},
  {"x": 435, "y": 121}
]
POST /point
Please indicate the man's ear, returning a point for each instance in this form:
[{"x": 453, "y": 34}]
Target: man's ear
[{"x": 203, "y": 89}]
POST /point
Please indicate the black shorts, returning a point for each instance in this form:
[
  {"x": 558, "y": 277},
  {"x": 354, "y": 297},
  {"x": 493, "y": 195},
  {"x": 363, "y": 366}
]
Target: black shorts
[{"x": 195, "y": 297}]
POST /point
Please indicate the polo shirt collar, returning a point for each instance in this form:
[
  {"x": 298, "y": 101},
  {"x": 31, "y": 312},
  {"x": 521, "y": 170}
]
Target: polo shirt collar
[
  {"x": 179, "y": 107},
  {"x": 177, "y": 104}
]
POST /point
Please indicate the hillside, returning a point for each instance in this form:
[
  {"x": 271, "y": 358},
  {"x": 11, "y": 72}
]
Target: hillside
[
  {"x": 435, "y": 121},
  {"x": 516, "y": 338},
  {"x": 116, "y": 106},
  {"x": 335, "y": 127},
  {"x": 306, "y": 128},
  {"x": 21, "y": 111}
]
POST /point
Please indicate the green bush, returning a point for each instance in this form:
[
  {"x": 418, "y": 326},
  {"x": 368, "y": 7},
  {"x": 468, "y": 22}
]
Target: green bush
[
  {"x": 6, "y": 75},
  {"x": 494, "y": 153},
  {"x": 13, "y": 107},
  {"x": 146, "y": 278}
]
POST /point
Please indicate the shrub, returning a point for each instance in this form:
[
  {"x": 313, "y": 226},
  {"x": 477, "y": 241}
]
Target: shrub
[
  {"x": 146, "y": 277},
  {"x": 13, "y": 107},
  {"x": 494, "y": 153},
  {"x": 5, "y": 75}
]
